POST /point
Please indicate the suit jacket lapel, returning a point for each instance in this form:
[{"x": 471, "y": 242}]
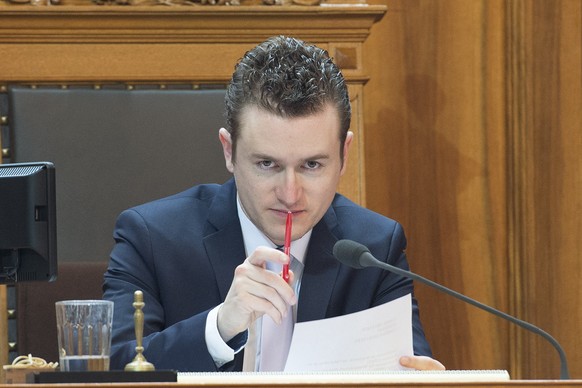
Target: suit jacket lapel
[
  {"x": 225, "y": 248},
  {"x": 223, "y": 237},
  {"x": 320, "y": 273}
]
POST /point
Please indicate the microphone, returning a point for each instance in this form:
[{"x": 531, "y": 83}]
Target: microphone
[{"x": 358, "y": 256}]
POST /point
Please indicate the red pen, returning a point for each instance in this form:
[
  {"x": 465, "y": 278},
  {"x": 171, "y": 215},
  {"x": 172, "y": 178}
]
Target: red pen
[{"x": 287, "y": 246}]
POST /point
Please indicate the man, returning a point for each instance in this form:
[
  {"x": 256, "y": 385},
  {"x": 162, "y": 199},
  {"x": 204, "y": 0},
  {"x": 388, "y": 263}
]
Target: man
[{"x": 206, "y": 259}]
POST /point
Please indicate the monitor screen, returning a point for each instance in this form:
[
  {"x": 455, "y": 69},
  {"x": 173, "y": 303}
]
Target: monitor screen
[{"x": 28, "y": 241}]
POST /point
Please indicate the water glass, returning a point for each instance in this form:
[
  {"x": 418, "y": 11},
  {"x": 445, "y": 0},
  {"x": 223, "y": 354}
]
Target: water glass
[{"x": 84, "y": 334}]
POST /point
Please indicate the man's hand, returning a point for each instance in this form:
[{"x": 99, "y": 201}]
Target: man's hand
[
  {"x": 254, "y": 292},
  {"x": 421, "y": 363}
]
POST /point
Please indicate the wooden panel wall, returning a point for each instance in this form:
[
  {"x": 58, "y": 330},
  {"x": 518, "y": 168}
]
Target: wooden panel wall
[
  {"x": 548, "y": 103},
  {"x": 473, "y": 138}
]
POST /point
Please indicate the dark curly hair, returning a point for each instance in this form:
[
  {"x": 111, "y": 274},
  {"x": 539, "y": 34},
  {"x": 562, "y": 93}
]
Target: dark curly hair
[{"x": 289, "y": 78}]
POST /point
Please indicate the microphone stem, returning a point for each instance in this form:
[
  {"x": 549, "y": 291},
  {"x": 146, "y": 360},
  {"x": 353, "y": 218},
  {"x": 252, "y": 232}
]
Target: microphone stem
[{"x": 564, "y": 374}]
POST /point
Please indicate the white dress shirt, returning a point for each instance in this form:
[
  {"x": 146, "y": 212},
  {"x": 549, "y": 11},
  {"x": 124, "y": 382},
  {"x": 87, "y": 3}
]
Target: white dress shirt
[{"x": 253, "y": 238}]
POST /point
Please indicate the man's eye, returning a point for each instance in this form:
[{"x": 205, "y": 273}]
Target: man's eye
[
  {"x": 311, "y": 165},
  {"x": 266, "y": 164}
]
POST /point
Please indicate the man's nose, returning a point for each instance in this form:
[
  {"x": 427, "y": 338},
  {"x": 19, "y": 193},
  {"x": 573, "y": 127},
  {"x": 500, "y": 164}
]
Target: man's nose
[{"x": 289, "y": 190}]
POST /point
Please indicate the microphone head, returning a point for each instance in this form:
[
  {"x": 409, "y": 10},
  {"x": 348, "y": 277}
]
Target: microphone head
[{"x": 349, "y": 252}]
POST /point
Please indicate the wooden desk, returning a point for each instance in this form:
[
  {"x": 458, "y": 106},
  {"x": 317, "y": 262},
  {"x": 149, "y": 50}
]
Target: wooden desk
[
  {"x": 509, "y": 384},
  {"x": 469, "y": 378}
]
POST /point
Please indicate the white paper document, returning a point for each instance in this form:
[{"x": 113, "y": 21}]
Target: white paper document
[
  {"x": 272, "y": 379},
  {"x": 369, "y": 340}
]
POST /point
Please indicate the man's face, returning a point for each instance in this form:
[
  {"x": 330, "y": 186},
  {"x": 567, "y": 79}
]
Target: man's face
[{"x": 286, "y": 165}]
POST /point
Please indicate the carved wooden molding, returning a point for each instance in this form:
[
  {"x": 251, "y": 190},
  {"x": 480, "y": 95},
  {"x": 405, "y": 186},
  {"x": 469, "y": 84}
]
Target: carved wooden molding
[
  {"x": 195, "y": 24},
  {"x": 169, "y": 44}
]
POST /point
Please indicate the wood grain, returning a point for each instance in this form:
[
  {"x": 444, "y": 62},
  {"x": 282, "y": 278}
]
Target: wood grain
[
  {"x": 472, "y": 142},
  {"x": 547, "y": 99}
]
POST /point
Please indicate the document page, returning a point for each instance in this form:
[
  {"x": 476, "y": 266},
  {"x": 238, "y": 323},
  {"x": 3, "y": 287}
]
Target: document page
[{"x": 369, "y": 340}]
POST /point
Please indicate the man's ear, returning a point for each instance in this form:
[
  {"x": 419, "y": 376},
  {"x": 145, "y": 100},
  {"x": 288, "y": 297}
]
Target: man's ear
[
  {"x": 226, "y": 141},
  {"x": 347, "y": 144}
]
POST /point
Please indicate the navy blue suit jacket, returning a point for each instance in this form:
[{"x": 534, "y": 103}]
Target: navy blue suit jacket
[{"x": 182, "y": 251}]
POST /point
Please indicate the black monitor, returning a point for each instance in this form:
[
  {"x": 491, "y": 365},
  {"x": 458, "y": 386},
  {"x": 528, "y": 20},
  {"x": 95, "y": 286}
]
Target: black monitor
[{"x": 28, "y": 237}]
